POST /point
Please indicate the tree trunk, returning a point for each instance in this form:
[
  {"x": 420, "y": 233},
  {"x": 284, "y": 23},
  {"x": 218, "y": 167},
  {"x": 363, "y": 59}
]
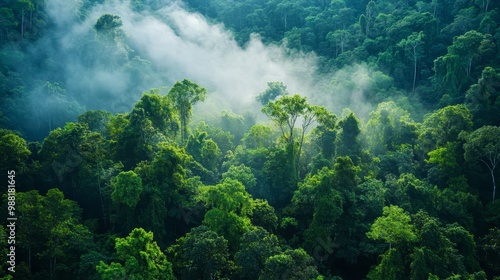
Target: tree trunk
[
  {"x": 494, "y": 184},
  {"x": 184, "y": 130}
]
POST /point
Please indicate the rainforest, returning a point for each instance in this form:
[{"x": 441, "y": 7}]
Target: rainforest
[{"x": 250, "y": 139}]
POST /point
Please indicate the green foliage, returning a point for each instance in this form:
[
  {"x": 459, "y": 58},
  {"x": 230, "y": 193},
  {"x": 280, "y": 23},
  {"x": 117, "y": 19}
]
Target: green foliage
[
  {"x": 127, "y": 189},
  {"x": 201, "y": 254},
  {"x": 159, "y": 110},
  {"x": 96, "y": 120},
  {"x": 167, "y": 189},
  {"x": 259, "y": 136},
  {"x": 489, "y": 250},
  {"x": 389, "y": 127},
  {"x": 483, "y": 100},
  {"x": 233, "y": 123},
  {"x": 291, "y": 264},
  {"x": 443, "y": 126},
  {"x": 285, "y": 112},
  {"x": 455, "y": 68},
  {"x": 50, "y": 233},
  {"x": 347, "y": 142},
  {"x": 257, "y": 246},
  {"x": 184, "y": 94},
  {"x": 309, "y": 182},
  {"x": 483, "y": 145},
  {"x": 263, "y": 215},
  {"x": 14, "y": 152},
  {"x": 140, "y": 257},
  {"x": 393, "y": 227},
  {"x": 243, "y": 174},
  {"x": 273, "y": 91},
  {"x": 390, "y": 266},
  {"x": 231, "y": 205}
]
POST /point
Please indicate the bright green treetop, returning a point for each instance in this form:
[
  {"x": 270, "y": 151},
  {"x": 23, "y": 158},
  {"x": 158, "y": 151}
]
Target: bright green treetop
[
  {"x": 393, "y": 227},
  {"x": 140, "y": 257}
]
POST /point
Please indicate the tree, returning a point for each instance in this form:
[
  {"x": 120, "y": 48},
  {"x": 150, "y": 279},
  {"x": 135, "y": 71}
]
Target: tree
[
  {"x": 14, "y": 152},
  {"x": 347, "y": 141},
  {"x": 469, "y": 47},
  {"x": 107, "y": 23},
  {"x": 111, "y": 39},
  {"x": 483, "y": 98},
  {"x": 443, "y": 126},
  {"x": 184, "y": 95},
  {"x": 274, "y": 90},
  {"x": 454, "y": 70},
  {"x": 141, "y": 258},
  {"x": 293, "y": 264},
  {"x": 23, "y": 6},
  {"x": 483, "y": 145},
  {"x": 286, "y": 112},
  {"x": 411, "y": 44},
  {"x": 263, "y": 215},
  {"x": 230, "y": 195},
  {"x": 389, "y": 126},
  {"x": 393, "y": 227},
  {"x": 127, "y": 188},
  {"x": 201, "y": 254},
  {"x": 339, "y": 38},
  {"x": 257, "y": 246},
  {"x": 96, "y": 120},
  {"x": 159, "y": 110},
  {"x": 259, "y": 136},
  {"x": 243, "y": 174},
  {"x": 389, "y": 268},
  {"x": 167, "y": 189},
  {"x": 7, "y": 21},
  {"x": 49, "y": 233},
  {"x": 230, "y": 208},
  {"x": 325, "y": 134}
]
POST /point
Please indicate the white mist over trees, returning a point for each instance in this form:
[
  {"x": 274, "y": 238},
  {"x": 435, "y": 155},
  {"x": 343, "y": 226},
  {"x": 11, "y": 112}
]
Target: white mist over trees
[{"x": 109, "y": 65}]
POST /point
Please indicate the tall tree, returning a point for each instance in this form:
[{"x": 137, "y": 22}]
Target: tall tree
[
  {"x": 411, "y": 46},
  {"x": 483, "y": 145},
  {"x": 184, "y": 95},
  {"x": 286, "y": 112}
]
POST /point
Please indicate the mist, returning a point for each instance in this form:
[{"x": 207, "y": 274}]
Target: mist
[{"x": 163, "y": 46}]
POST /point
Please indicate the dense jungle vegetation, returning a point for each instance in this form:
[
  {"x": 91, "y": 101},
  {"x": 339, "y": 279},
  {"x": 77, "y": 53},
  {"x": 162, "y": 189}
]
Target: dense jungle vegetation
[{"x": 121, "y": 173}]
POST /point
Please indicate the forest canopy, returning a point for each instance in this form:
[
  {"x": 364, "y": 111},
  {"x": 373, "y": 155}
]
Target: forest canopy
[{"x": 210, "y": 139}]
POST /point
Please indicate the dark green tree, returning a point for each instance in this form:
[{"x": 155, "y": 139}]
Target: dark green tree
[
  {"x": 482, "y": 145},
  {"x": 201, "y": 254}
]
